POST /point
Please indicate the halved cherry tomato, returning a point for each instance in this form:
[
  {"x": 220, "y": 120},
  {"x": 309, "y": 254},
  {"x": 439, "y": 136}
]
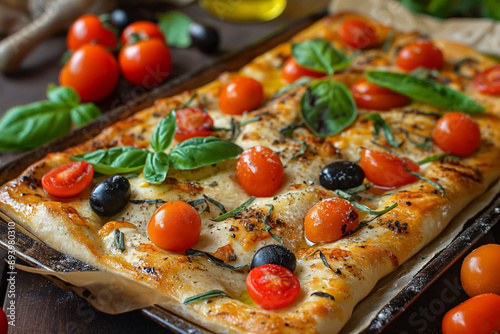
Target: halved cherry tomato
[
  {"x": 260, "y": 171},
  {"x": 145, "y": 63},
  {"x": 370, "y": 96},
  {"x": 145, "y": 29},
  {"x": 421, "y": 53},
  {"x": 488, "y": 81},
  {"x": 329, "y": 219},
  {"x": 175, "y": 226},
  {"x": 68, "y": 180},
  {"x": 192, "y": 123},
  {"x": 239, "y": 95},
  {"x": 358, "y": 34},
  {"x": 92, "y": 71},
  {"x": 272, "y": 286},
  {"x": 292, "y": 71},
  {"x": 477, "y": 315},
  {"x": 88, "y": 29},
  {"x": 480, "y": 272},
  {"x": 387, "y": 170},
  {"x": 457, "y": 133}
]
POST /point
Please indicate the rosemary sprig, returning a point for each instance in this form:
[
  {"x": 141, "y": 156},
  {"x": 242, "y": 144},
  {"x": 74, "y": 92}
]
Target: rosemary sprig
[
  {"x": 268, "y": 228},
  {"x": 217, "y": 261},
  {"x": 425, "y": 144},
  {"x": 204, "y": 103},
  {"x": 150, "y": 201},
  {"x": 287, "y": 131},
  {"x": 198, "y": 202},
  {"x": 346, "y": 196},
  {"x": 387, "y": 194},
  {"x": 299, "y": 82},
  {"x": 186, "y": 103},
  {"x": 119, "y": 240},
  {"x": 234, "y": 211},
  {"x": 388, "y": 41},
  {"x": 217, "y": 204},
  {"x": 434, "y": 184},
  {"x": 323, "y": 294},
  {"x": 379, "y": 122},
  {"x": 323, "y": 258},
  {"x": 436, "y": 157},
  {"x": 205, "y": 295}
]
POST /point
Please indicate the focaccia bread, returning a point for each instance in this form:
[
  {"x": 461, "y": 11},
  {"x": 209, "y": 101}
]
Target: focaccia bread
[{"x": 355, "y": 262}]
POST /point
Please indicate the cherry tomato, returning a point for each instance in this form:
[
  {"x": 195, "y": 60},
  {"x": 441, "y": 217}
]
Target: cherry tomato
[
  {"x": 260, "y": 171},
  {"x": 329, "y": 219},
  {"x": 175, "y": 226},
  {"x": 488, "y": 81},
  {"x": 239, "y": 95},
  {"x": 370, "y": 96},
  {"x": 292, "y": 71},
  {"x": 145, "y": 29},
  {"x": 68, "y": 180},
  {"x": 272, "y": 286},
  {"x": 146, "y": 63},
  {"x": 421, "y": 53},
  {"x": 477, "y": 315},
  {"x": 88, "y": 29},
  {"x": 4, "y": 325},
  {"x": 192, "y": 123},
  {"x": 457, "y": 133},
  {"x": 92, "y": 71},
  {"x": 358, "y": 34},
  {"x": 480, "y": 272},
  {"x": 387, "y": 170}
]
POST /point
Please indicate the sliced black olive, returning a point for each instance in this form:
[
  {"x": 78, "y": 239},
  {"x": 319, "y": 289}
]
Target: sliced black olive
[
  {"x": 110, "y": 196},
  {"x": 341, "y": 175},
  {"x": 275, "y": 254},
  {"x": 204, "y": 37}
]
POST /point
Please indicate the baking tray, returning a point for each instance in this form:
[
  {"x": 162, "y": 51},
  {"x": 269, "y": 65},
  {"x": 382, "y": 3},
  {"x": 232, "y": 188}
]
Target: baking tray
[{"x": 42, "y": 256}]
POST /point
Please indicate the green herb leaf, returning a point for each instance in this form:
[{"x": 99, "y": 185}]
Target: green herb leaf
[
  {"x": 425, "y": 90},
  {"x": 323, "y": 294},
  {"x": 63, "y": 95},
  {"x": 198, "y": 202},
  {"x": 268, "y": 228},
  {"x": 156, "y": 168},
  {"x": 434, "y": 184},
  {"x": 299, "y": 82},
  {"x": 387, "y": 194},
  {"x": 214, "y": 202},
  {"x": 205, "y": 295},
  {"x": 202, "y": 151},
  {"x": 234, "y": 211},
  {"x": 328, "y": 108},
  {"x": 379, "y": 122},
  {"x": 217, "y": 261},
  {"x": 84, "y": 113},
  {"x": 346, "y": 196},
  {"x": 119, "y": 240},
  {"x": 319, "y": 55},
  {"x": 425, "y": 144},
  {"x": 164, "y": 133},
  {"x": 149, "y": 201},
  {"x": 388, "y": 41},
  {"x": 116, "y": 160},
  {"x": 436, "y": 157},
  {"x": 188, "y": 101},
  {"x": 323, "y": 259},
  {"x": 175, "y": 28}
]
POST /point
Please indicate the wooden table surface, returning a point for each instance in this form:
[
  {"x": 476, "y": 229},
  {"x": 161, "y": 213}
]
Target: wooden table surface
[{"x": 42, "y": 307}]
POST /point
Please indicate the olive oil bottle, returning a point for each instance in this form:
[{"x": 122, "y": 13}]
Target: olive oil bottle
[{"x": 244, "y": 10}]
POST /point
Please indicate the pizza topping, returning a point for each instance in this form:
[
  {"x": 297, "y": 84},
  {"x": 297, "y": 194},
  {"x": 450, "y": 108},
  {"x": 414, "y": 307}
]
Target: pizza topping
[
  {"x": 216, "y": 260},
  {"x": 205, "y": 295},
  {"x": 268, "y": 227},
  {"x": 457, "y": 133},
  {"x": 370, "y": 96},
  {"x": 341, "y": 175},
  {"x": 386, "y": 169},
  {"x": 480, "y": 271},
  {"x": 275, "y": 254},
  {"x": 68, "y": 180},
  {"x": 433, "y": 183},
  {"x": 110, "y": 195},
  {"x": 329, "y": 219},
  {"x": 260, "y": 171},
  {"x": 325, "y": 262},
  {"x": 320, "y": 56},
  {"x": 379, "y": 122},
  {"x": 323, "y": 294},
  {"x": 292, "y": 71},
  {"x": 191, "y": 122},
  {"x": 421, "y": 53},
  {"x": 488, "y": 81},
  {"x": 436, "y": 157},
  {"x": 425, "y": 90},
  {"x": 358, "y": 34},
  {"x": 175, "y": 226},
  {"x": 272, "y": 286},
  {"x": 119, "y": 240},
  {"x": 239, "y": 95},
  {"x": 235, "y": 210}
]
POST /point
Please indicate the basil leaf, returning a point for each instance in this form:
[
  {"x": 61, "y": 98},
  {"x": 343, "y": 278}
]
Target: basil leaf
[
  {"x": 84, "y": 113},
  {"x": 299, "y": 82},
  {"x": 425, "y": 90},
  {"x": 379, "y": 122},
  {"x": 432, "y": 183},
  {"x": 63, "y": 95},
  {"x": 202, "y": 151},
  {"x": 29, "y": 126},
  {"x": 175, "y": 28},
  {"x": 235, "y": 210},
  {"x": 436, "y": 157},
  {"x": 328, "y": 108},
  {"x": 268, "y": 228},
  {"x": 164, "y": 133},
  {"x": 205, "y": 295},
  {"x": 319, "y": 55},
  {"x": 216, "y": 260},
  {"x": 115, "y": 160},
  {"x": 156, "y": 168}
]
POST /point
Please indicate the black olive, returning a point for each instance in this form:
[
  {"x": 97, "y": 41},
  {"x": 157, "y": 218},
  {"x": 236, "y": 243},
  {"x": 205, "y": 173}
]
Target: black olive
[
  {"x": 275, "y": 254},
  {"x": 110, "y": 196},
  {"x": 119, "y": 19},
  {"x": 341, "y": 175},
  {"x": 204, "y": 37}
]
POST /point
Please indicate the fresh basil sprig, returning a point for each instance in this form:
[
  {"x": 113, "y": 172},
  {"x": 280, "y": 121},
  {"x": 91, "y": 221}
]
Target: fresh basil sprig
[
  {"x": 320, "y": 55},
  {"x": 32, "y": 125},
  {"x": 425, "y": 90},
  {"x": 379, "y": 122},
  {"x": 116, "y": 160}
]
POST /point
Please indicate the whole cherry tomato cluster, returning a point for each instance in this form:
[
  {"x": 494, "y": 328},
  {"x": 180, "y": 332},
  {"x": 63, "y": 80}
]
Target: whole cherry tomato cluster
[{"x": 92, "y": 70}]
